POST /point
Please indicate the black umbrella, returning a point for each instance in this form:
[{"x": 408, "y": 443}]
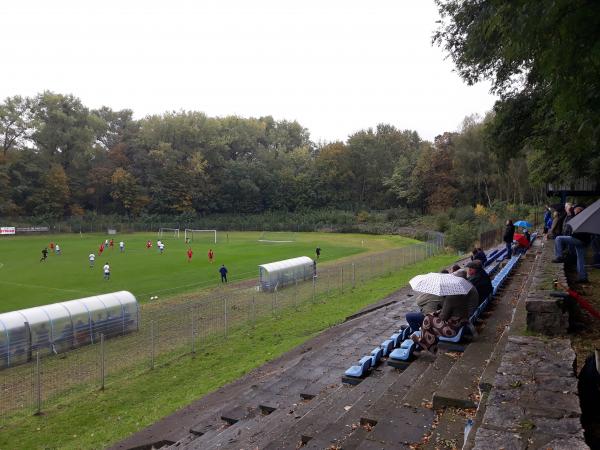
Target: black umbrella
[{"x": 588, "y": 220}]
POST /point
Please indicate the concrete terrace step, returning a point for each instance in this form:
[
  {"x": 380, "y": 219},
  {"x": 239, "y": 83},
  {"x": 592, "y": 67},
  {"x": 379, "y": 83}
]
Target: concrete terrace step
[
  {"x": 361, "y": 414},
  {"x": 393, "y": 417},
  {"x": 460, "y": 388}
]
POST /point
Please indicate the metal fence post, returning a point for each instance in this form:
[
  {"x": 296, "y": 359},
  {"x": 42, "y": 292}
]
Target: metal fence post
[
  {"x": 193, "y": 331},
  {"x": 295, "y": 294},
  {"x": 102, "y": 368},
  {"x": 152, "y": 344},
  {"x": 38, "y": 387},
  {"x": 225, "y": 305}
]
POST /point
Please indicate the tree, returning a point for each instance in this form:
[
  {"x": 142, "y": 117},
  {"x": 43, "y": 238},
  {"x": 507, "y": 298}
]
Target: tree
[
  {"x": 126, "y": 191},
  {"x": 53, "y": 198},
  {"x": 15, "y": 122},
  {"x": 543, "y": 59}
]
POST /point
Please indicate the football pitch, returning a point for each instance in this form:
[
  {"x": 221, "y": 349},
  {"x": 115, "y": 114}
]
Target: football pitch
[{"x": 27, "y": 282}]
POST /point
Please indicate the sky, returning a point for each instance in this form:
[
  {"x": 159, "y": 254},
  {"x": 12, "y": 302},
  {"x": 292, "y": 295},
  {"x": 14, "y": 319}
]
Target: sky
[{"x": 336, "y": 67}]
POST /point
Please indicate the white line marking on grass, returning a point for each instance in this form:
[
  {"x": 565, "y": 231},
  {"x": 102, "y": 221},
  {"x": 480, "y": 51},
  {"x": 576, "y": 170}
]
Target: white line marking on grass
[
  {"x": 45, "y": 287},
  {"x": 273, "y": 242}
]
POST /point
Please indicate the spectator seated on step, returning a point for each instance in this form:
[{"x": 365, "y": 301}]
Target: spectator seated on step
[
  {"x": 480, "y": 279},
  {"x": 427, "y": 303},
  {"x": 445, "y": 322},
  {"x": 576, "y": 243},
  {"x": 472, "y": 296},
  {"x": 478, "y": 254},
  {"x": 521, "y": 244}
]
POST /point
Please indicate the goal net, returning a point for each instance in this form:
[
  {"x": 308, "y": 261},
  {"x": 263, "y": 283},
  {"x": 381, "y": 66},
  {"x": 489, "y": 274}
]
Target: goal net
[
  {"x": 162, "y": 232},
  {"x": 191, "y": 234},
  {"x": 277, "y": 236}
]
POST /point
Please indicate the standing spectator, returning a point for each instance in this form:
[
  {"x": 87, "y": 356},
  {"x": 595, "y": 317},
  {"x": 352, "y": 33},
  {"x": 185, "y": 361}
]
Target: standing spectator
[
  {"x": 44, "y": 254},
  {"x": 509, "y": 235},
  {"x": 211, "y": 255},
  {"x": 318, "y": 252},
  {"x": 122, "y": 246},
  {"x": 223, "y": 272},
  {"x": 106, "y": 270},
  {"x": 92, "y": 259},
  {"x": 190, "y": 253},
  {"x": 547, "y": 219}
]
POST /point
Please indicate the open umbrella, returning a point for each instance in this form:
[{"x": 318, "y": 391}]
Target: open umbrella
[
  {"x": 440, "y": 284},
  {"x": 522, "y": 224},
  {"x": 588, "y": 220}
]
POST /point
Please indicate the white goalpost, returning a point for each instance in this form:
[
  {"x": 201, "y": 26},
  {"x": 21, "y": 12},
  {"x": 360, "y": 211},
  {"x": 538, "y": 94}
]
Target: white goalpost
[
  {"x": 175, "y": 231},
  {"x": 189, "y": 234}
]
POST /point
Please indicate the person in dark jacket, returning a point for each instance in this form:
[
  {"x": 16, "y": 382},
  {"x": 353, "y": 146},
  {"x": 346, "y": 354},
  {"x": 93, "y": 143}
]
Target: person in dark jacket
[
  {"x": 479, "y": 278},
  {"x": 509, "y": 235},
  {"x": 479, "y": 254}
]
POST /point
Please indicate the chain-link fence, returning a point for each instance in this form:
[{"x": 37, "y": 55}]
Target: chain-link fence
[{"x": 168, "y": 331}]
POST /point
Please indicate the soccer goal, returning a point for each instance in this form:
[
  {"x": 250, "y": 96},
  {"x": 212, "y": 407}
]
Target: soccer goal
[
  {"x": 189, "y": 234},
  {"x": 162, "y": 232}
]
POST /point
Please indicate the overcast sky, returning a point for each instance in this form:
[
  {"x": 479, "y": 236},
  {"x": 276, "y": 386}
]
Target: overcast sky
[{"x": 335, "y": 66}]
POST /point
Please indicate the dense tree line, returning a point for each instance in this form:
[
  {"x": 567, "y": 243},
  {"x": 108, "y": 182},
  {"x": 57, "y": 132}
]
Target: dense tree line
[
  {"x": 60, "y": 158},
  {"x": 543, "y": 59}
]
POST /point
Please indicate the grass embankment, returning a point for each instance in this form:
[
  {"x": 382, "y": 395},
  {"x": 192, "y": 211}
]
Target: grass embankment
[{"x": 131, "y": 402}]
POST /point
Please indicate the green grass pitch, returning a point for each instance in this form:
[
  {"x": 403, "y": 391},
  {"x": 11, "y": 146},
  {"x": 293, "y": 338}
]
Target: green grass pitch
[{"x": 27, "y": 282}]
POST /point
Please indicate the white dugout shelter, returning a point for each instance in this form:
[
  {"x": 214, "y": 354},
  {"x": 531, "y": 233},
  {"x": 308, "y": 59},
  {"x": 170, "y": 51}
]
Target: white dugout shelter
[
  {"x": 281, "y": 273},
  {"x": 60, "y": 327}
]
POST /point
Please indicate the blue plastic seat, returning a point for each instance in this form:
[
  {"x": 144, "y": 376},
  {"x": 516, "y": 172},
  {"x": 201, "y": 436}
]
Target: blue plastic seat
[
  {"x": 395, "y": 339},
  {"x": 359, "y": 370},
  {"x": 387, "y": 346},
  {"x": 376, "y": 355},
  {"x": 454, "y": 339},
  {"x": 404, "y": 352}
]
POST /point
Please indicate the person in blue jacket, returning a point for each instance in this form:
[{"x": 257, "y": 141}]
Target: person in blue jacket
[{"x": 223, "y": 272}]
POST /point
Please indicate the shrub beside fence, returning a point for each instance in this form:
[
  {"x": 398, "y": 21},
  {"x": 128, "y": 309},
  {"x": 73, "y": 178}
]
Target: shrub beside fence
[{"x": 172, "y": 331}]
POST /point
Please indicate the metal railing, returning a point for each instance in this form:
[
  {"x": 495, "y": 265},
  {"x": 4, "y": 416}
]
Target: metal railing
[{"x": 169, "y": 331}]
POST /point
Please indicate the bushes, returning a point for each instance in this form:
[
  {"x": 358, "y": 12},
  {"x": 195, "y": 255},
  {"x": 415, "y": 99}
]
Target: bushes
[{"x": 462, "y": 236}]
